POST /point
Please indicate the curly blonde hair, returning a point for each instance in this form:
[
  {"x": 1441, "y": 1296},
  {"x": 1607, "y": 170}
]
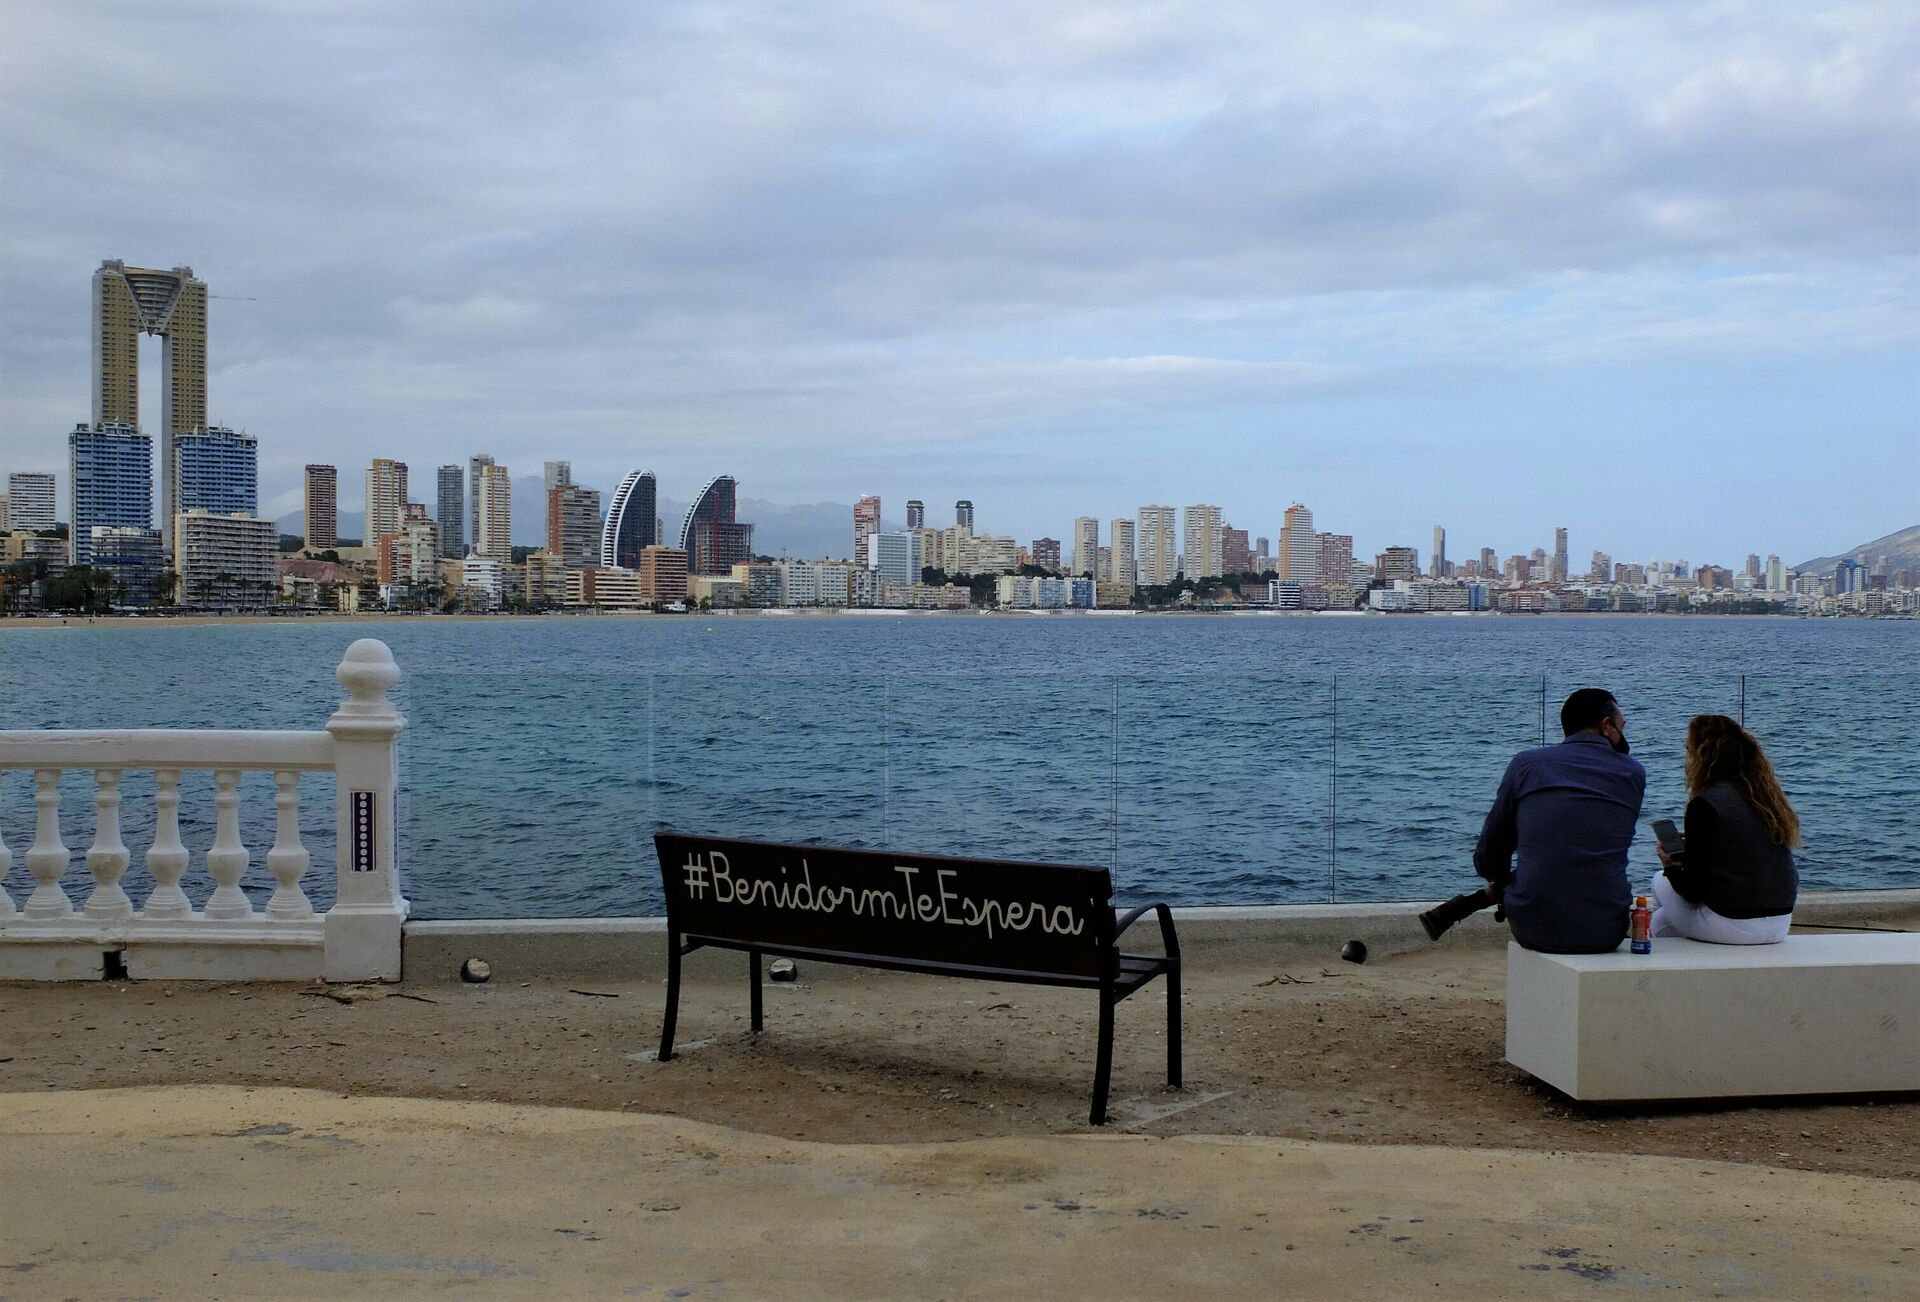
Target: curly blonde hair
[{"x": 1720, "y": 750}]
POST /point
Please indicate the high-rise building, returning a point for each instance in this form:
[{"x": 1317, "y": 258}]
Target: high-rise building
[
  {"x": 1200, "y": 541},
  {"x": 475, "y": 464},
  {"x": 1046, "y": 553},
  {"x": 216, "y": 470},
  {"x": 1236, "y": 556},
  {"x": 323, "y": 506},
  {"x": 1086, "y": 545},
  {"x": 633, "y": 522},
  {"x": 1601, "y": 568},
  {"x": 963, "y": 514},
  {"x": 558, "y": 474},
  {"x": 573, "y": 525},
  {"x": 29, "y": 500},
  {"x": 1332, "y": 557},
  {"x": 1753, "y": 565},
  {"x": 134, "y": 558},
  {"x": 493, "y": 526},
  {"x": 1558, "y": 572},
  {"x": 1299, "y": 559},
  {"x": 663, "y": 574},
  {"x": 1437, "y": 561},
  {"x": 1396, "y": 563},
  {"x": 110, "y": 475},
  {"x": 129, "y": 301},
  {"x": 897, "y": 557},
  {"x": 1120, "y": 563},
  {"x": 386, "y": 499},
  {"x": 916, "y": 513},
  {"x": 226, "y": 561},
  {"x": 1489, "y": 563},
  {"x": 713, "y": 537},
  {"x": 450, "y": 510},
  {"x": 1159, "y": 552},
  {"x": 866, "y": 523},
  {"x": 1776, "y": 575}
]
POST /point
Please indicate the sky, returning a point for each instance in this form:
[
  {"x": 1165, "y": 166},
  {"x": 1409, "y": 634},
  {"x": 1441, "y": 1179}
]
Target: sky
[{"x": 1646, "y": 270}]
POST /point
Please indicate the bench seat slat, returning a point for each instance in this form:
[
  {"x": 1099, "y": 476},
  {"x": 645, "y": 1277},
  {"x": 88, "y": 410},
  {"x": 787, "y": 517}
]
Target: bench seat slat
[{"x": 1135, "y": 969}]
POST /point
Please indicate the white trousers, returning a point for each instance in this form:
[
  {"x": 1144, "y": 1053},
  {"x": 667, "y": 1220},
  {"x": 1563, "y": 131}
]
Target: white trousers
[{"x": 1676, "y": 916}]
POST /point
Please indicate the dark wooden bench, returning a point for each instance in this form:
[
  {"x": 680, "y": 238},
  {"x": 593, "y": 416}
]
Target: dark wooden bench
[{"x": 991, "y": 919}]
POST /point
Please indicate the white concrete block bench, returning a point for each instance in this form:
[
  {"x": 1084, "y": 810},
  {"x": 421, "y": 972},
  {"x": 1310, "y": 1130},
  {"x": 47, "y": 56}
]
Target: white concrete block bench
[{"x": 1813, "y": 1015}]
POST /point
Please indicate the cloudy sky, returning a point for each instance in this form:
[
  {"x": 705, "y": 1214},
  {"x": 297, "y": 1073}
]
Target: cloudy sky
[{"x": 1648, "y": 270}]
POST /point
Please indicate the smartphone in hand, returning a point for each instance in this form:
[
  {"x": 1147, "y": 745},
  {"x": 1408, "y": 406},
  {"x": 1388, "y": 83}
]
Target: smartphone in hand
[{"x": 1671, "y": 838}]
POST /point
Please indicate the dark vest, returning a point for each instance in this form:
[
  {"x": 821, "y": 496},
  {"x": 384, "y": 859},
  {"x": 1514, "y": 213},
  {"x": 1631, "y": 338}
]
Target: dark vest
[{"x": 1750, "y": 876}]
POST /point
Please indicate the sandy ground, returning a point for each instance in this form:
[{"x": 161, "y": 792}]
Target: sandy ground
[
  {"x": 1406, "y": 1050},
  {"x": 215, "y": 1192}
]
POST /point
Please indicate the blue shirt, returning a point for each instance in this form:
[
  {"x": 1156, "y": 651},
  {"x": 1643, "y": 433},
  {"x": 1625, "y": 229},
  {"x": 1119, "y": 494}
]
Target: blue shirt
[{"x": 1561, "y": 824}]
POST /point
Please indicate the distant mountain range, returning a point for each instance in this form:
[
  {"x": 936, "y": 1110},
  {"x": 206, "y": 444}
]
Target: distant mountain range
[
  {"x": 806, "y": 531},
  {"x": 1901, "y": 549}
]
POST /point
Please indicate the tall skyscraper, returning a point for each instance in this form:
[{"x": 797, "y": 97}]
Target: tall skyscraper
[
  {"x": 493, "y": 525},
  {"x": 866, "y": 523},
  {"x": 216, "y": 470},
  {"x": 110, "y": 474},
  {"x": 1120, "y": 560},
  {"x": 323, "y": 506},
  {"x": 386, "y": 499},
  {"x": 633, "y": 522},
  {"x": 916, "y": 513},
  {"x": 573, "y": 525},
  {"x": 1437, "y": 563},
  {"x": 1045, "y": 552},
  {"x": 558, "y": 474},
  {"x": 450, "y": 492},
  {"x": 1236, "y": 555},
  {"x": 1558, "y": 572},
  {"x": 1086, "y": 545},
  {"x": 1159, "y": 552},
  {"x": 963, "y": 514},
  {"x": 128, "y": 301},
  {"x": 1299, "y": 559},
  {"x": 1753, "y": 565},
  {"x": 714, "y": 538},
  {"x": 1200, "y": 541},
  {"x": 1489, "y": 563},
  {"x": 475, "y": 464},
  {"x": 1333, "y": 557},
  {"x": 29, "y": 500}
]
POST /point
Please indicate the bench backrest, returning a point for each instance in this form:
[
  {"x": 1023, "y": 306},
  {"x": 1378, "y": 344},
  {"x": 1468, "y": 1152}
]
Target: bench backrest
[{"x": 913, "y": 908}]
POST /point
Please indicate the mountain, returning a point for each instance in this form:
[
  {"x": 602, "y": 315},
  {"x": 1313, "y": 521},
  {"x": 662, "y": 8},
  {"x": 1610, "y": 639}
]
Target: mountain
[
  {"x": 1901, "y": 549},
  {"x": 295, "y": 523}
]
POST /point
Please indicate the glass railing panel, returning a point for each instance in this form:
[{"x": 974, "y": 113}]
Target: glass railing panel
[
  {"x": 1222, "y": 791},
  {"x": 1846, "y": 751},
  {"x": 1003, "y": 766},
  {"x": 526, "y": 795},
  {"x": 1418, "y": 759}
]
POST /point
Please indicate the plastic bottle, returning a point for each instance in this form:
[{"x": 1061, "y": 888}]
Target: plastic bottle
[{"x": 1642, "y": 922}]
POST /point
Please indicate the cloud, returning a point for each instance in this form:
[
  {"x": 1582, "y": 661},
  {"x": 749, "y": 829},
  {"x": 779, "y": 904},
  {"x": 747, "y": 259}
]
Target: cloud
[{"x": 819, "y": 235}]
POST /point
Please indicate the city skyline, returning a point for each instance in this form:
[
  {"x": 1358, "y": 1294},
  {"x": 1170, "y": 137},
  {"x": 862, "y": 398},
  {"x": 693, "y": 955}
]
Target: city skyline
[{"x": 1372, "y": 265}]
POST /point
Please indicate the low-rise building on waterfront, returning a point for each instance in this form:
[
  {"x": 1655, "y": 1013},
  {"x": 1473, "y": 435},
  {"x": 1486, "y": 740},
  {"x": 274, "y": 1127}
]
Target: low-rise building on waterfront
[{"x": 226, "y": 561}]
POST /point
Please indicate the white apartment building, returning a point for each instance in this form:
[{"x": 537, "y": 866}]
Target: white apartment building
[
  {"x": 386, "y": 499},
  {"x": 1158, "y": 550},
  {"x": 29, "y": 500},
  {"x": 493, "y": 521},
  {"x": 895, "y": 557},
  {"x": 1201, "y": 542},
  {"x": 1120, "y": 554},
  {"x": 485, "y": 578},
  {"x": 1300, "y": 548},
  {"x": 1086, "y": 546},
  {"x": 226, "y": 560}
]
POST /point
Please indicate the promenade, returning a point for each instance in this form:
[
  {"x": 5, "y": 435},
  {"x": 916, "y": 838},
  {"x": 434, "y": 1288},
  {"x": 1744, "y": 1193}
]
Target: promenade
[{"x": 1347, "y": 1131}]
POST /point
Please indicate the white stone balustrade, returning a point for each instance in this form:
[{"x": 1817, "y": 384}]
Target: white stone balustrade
[{"x": 48, "y": 937}]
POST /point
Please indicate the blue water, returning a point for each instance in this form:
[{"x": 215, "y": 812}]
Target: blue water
[{"x": 1207, "y": 759}]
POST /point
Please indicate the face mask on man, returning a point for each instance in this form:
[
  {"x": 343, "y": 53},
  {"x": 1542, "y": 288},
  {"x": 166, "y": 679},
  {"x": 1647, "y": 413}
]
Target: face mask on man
[{"x": 1619, "y": 740}]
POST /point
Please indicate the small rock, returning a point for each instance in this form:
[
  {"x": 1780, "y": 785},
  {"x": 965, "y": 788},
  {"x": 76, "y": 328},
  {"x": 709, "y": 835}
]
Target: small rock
[
  {"x": 475, "y": 970},
  {"x": 1354, "y": 951},
  {"x": 783, "y": 969}
]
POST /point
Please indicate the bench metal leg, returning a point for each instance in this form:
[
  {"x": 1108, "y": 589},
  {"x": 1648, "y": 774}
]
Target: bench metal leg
[
  {"x": 673, "y": 997},
  {"x": 1173, "y": 1026},
  {"x": 1103, "y": 1062},
  {"x": 753, "y": 974}
]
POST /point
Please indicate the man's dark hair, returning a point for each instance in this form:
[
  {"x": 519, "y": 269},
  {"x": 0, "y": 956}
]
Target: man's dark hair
[{"x": 1587, "y": 708}]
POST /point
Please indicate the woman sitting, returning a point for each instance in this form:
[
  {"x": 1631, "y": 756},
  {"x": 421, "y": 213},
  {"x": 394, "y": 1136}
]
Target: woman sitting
[{"x": 1734, "y": 883}]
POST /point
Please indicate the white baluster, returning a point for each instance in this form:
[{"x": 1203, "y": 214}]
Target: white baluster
[
  {"x": 288, "y": 860},
  {"x": 107, "y": 857},
  {"x": 47, "y": 858},
  {"x": 227, "y": 859},
  {"x": 6, "y": 865},
  {"x": 167, "y": 859}
]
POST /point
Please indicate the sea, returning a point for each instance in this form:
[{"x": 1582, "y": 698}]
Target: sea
[{"x": 1235, "y": 759}]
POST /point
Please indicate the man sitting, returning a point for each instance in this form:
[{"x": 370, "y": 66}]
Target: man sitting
[{"x": 1554, "y": 846}]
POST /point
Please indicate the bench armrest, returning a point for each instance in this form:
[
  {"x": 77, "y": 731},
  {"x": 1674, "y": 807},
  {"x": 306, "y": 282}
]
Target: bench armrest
[{"x": 1168, "y": 937}]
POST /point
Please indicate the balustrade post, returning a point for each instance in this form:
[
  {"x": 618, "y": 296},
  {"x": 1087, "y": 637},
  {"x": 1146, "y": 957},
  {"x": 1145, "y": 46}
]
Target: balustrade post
[
  {"x": 363, "y": 927},
  {"x": 227, "y": 860},
  {"x": 6, "y": 865},
  {"x": 288, "y": 860},
  {"x": 167, "y": 857},
  {"x": 47, "y": 857},
  {"x": 107, "y": 857}
]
